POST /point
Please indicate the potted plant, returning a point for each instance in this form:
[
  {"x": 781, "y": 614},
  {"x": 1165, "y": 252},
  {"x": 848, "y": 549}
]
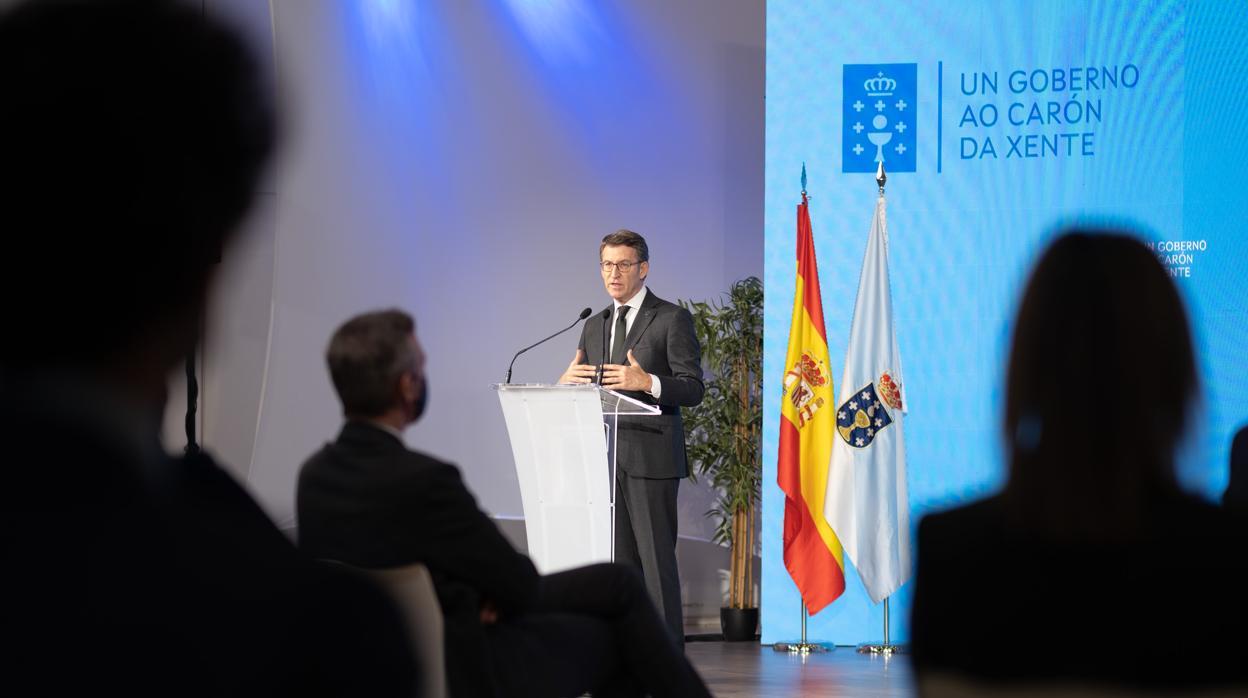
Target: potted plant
[{"x": 724, "y": 434}]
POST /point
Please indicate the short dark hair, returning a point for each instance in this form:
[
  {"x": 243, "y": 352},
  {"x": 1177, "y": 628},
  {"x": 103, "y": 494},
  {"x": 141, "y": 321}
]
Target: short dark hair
[
  {"x": 1100, "y": 386},
  {"x": 627, "y": 238},
  {"x": 366, "y": 358},
  {"x": 132, "y": 137}
]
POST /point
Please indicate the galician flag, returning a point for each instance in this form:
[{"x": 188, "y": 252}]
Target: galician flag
[
  {"x": 812, "y": 554},
  {"x": 866, "y": 499}
]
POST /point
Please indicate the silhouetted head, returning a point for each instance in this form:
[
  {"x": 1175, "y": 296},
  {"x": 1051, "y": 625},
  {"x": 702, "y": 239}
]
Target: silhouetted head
[
  {"x": 1101, "y": 384},
  {"x": 132, "y": 137},
  {"x": 378, "y": 367}
]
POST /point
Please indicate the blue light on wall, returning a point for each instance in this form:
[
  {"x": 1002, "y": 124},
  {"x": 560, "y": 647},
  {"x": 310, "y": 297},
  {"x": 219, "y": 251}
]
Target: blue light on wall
[
  {"x": 385, "y": 21},
  {"x": 559, "y": 30}
]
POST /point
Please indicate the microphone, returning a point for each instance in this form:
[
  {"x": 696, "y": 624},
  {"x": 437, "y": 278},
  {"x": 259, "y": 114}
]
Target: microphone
[{"x": 584, "y": 314}]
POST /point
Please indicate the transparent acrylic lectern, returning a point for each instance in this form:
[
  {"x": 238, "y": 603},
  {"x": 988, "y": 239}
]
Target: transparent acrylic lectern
[{"x": 563, "y": 440}]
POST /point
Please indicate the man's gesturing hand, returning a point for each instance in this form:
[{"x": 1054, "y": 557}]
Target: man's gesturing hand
[
  {"x": 628, "y": 377},
  {"x": 578, "y": 372}
]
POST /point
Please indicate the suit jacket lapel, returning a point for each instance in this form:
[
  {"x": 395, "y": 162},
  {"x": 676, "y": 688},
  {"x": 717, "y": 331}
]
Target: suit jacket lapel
[{"x": 644, "y": 317}]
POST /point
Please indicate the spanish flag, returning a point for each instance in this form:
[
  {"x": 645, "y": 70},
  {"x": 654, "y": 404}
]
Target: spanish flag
[{"x": 812, "y": 553}]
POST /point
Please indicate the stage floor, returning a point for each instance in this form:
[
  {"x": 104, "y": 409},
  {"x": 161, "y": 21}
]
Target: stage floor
[{"x": 748, "y": 669}]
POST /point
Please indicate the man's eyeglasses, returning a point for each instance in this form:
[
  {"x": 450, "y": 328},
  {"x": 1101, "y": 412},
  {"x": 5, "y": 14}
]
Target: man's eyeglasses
[{"x": 624, "y": 267}]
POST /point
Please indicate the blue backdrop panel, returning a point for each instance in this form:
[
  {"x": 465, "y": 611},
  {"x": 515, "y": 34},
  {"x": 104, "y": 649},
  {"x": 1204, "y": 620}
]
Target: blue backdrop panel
[{"x": 998, "y": 121}]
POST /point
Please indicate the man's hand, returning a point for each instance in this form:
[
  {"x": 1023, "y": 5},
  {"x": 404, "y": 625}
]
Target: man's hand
[
  {"x": 628, "y": 377},
  {"x": 578, "y": 372}
]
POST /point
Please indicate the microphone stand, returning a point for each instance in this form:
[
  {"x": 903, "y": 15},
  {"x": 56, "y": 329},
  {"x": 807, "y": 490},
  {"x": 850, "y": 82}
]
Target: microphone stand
[
  {"x": 606, "y": 319},
  {"x": 584, "y": 314}
]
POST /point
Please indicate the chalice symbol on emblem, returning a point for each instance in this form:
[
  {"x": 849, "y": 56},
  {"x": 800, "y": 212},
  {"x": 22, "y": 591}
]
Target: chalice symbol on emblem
[{"x": 879, "y": 137}]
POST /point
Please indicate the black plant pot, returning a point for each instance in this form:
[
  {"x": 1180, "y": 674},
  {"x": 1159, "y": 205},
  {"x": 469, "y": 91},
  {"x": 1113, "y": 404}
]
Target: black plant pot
[{"x": 739, "y": 624}]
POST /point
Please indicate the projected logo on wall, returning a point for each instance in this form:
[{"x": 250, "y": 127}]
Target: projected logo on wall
[{"x": 880, "y": 102}]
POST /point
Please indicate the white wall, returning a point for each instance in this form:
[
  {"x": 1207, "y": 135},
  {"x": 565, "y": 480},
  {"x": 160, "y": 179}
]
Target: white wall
[{"x": 461, "y": 159}]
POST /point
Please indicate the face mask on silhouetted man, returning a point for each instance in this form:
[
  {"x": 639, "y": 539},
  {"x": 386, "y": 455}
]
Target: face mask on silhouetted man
[{"x": 422, "y": 400}]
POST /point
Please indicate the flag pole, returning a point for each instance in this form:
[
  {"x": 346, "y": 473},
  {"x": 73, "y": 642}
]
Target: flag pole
[{"x": 885, "y": 648}]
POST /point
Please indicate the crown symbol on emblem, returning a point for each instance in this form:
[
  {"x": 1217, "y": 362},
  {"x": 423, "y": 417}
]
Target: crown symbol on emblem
[
  {"x": 811, "y": 372},
  {"x": 879, "y": 86},
  {"x": 890, "y": 391}
]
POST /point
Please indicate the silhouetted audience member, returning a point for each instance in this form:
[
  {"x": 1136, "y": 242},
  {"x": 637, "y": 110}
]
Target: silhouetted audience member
[
  {"x": 369, "y": 501},
  {"x": 132, "y": 135},
  {"x": 1236, "y": 494},
  {"x": 1091, "y": 566}
]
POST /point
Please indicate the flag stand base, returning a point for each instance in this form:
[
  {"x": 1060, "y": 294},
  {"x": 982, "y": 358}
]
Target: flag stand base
[
  {"x": 802, "y": 648},
  {"x": 882, "y": 648}
]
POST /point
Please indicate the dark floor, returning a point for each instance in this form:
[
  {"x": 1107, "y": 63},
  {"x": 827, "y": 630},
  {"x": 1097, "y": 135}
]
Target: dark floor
[{"x": 748, "y": 669}]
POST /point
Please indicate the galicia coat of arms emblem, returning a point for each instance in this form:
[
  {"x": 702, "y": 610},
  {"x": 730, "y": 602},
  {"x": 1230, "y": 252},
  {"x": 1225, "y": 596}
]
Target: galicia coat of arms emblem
[
  {"x": 863, "y": 416},
  {"x": 880, "y": 102}
]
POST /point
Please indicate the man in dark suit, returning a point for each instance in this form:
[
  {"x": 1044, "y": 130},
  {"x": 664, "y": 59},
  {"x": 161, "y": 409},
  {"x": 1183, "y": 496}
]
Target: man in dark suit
[
  {"x": 646, "y": 348},
  {"x": 132, "y": 136},
  {"x": 367, "y": 500}
]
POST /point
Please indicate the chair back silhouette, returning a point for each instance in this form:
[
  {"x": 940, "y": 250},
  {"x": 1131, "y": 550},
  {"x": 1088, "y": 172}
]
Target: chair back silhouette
[{"x": 411, "y": 588}]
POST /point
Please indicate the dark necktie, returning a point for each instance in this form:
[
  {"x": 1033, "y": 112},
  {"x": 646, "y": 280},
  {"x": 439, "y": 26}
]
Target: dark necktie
[{"x": 621, "y": 333}]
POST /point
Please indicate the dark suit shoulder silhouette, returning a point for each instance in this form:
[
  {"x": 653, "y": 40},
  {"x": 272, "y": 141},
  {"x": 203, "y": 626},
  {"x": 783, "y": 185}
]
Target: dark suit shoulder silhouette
[
  {"x": 163, "y": 576},
  {"x": 369, "y": 501},
  {"x": 1162, "y": 607}
]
